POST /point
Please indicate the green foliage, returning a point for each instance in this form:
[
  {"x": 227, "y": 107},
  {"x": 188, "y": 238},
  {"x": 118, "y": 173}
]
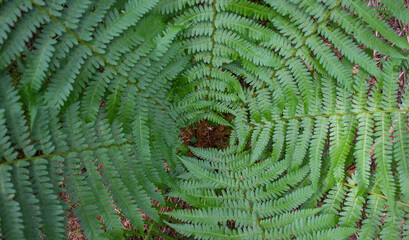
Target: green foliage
[{"x": 103, "y": 88}]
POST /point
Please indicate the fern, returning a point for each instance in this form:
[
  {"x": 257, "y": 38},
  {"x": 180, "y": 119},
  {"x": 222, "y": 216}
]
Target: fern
[{"x": 107, "y": 85}]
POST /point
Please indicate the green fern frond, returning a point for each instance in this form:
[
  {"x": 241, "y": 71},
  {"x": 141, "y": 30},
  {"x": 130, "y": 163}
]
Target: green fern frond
[
  {"x": 317, "y": 147},
  {"x": 318, "y": 126},
  {"x": 398, "y": 10},
  {"x": 352, "y": 209},
  {"x": 14, "y": 116},
  {"x": 12, "y": 224},
  {"x": 370, "y": 227}
]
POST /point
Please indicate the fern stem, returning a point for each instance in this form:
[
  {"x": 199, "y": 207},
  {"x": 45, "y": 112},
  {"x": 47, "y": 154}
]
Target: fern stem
[
  {"x": 212, "y": 36},
  {"x": 338, "y": 115},
  {"x": 149, "y": 232},
  {"x": 257, "y": 221},
  {"x": 211, "y": 50},
  {"x": 63, "y": 153},
  {"x": 376, "y": 194}
]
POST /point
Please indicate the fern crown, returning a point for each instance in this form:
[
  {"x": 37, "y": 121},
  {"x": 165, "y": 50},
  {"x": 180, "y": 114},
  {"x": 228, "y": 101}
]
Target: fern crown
[{"x": 93, "y": 95}]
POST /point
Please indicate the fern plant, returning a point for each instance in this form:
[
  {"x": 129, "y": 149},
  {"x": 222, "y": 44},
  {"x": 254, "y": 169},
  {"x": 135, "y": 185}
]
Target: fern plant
[{"x": 101, "y": 89}]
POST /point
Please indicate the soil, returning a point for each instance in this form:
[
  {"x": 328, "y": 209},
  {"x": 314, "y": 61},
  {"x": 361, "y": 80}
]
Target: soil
[{"x": 205, "y": 135}]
